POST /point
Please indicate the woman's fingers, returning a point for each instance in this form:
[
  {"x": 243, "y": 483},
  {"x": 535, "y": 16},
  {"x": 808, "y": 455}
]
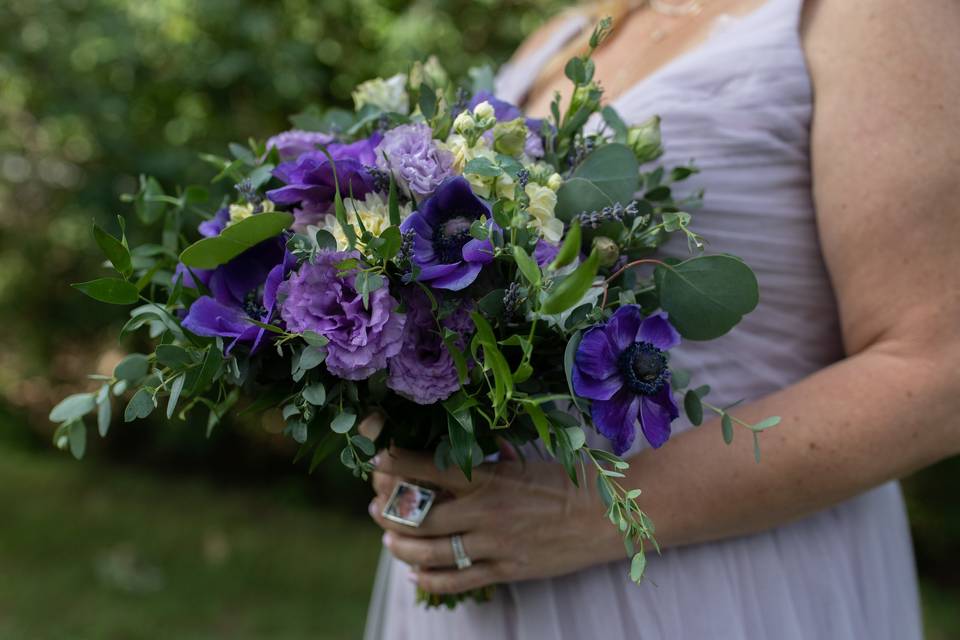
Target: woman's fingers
[
  {"x": 443, "y": 581},
  {"x": 420, "y": 466},
  {"x": 443, "y": 519},
  {"x": 436, "y": 553}
]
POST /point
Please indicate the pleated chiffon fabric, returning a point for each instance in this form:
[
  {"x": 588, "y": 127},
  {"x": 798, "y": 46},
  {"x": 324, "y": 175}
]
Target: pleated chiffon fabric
[{"x": 739, "y": 104}]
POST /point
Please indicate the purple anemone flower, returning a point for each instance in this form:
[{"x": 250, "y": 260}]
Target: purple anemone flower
[
  {"x": 447, "y": 255},
  {"x": 545, "y": 252},
  {"x": 215, "y": 225},
  {"x": 243, "y": 289},
  {"x": 310, "y": 182},
  {"x": 424, "y": 371},
  {"x": 621, "y": 366},
  {"x": 323, "y": 299},
  {"x": 290, "y": 145}
]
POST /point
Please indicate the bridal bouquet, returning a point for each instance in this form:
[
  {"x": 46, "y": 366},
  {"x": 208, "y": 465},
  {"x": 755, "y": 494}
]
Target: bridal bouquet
[{"x": 474, "y": 275}]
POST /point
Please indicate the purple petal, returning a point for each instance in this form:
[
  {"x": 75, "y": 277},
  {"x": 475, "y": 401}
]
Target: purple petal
[
  {"x": 624, "y": 326},
  {"x": 595, "y": 356},
  {"x": 593, "y": 389},
  {"x": 480, "y": 251},
  {"x": 433, "y": 271},
  {"x": 658, "y": 331},
  {"x": 208, "y": 317},
  {"x": 656, "y": 414},
  {"x": 616, "y": 419},
  {"x": 459, "y": 279}
]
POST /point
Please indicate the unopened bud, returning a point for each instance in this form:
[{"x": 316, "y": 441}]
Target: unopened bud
[
  {"x": 554, "y": 182},
  {"x": 464, "y": 124},
  {"x": 607, "y": 250},
  {"x": 644, "y": 139}
]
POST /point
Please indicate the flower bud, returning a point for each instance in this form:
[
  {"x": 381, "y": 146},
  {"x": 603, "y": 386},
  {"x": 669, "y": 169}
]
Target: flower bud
[
  {"x": 386, "y": 95},
  {"x": 484, "y": 111},
  {"x": 554, "y": 182},
  {"x": 607, "y": 249},
  {"x": 586, "y": 97},
  {"x": 464, "y": 124},
  {"x": 644, "y": 139},
  {"x": 510, "y": 137}
]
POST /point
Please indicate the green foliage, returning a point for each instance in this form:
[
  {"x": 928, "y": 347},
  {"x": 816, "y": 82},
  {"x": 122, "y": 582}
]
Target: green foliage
[
  {"x": 210, "y": 253},
  {"x": 607, "y": 176}
]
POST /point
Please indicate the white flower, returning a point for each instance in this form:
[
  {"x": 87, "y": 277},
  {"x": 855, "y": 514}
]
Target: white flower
[
  {"x": 554, "y": 182},
  {"x": 543, "y": 200},
  {"x": 240, "y": 211},
  {"x": 387, "y": 95},
  {"x": 484, "y": 111},
  {"x": 373, "y": 211},
  {"x": 464, "y": 123}
]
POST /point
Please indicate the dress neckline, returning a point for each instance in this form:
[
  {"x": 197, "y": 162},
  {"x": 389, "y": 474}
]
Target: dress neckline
[{"x": 722, "y": 24}]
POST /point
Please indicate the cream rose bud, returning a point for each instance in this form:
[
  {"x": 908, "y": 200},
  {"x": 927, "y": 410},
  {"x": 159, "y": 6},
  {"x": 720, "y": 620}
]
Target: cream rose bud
[
  {"x": 644, "y": 140},
  {"x": 554, "y": 182},
  {"x": 543, "y": 201},
  {"x": 484, "y": 111},
  {"x": 464, "y": 123}
]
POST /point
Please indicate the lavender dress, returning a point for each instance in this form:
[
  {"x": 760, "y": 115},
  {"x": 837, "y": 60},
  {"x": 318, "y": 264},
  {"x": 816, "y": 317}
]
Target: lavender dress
[{"x": 740, "y": 104}]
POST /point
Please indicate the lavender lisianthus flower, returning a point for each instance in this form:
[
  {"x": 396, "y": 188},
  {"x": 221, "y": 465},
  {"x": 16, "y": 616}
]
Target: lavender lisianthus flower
[
  {"x": 310, "y": 181},
  {"x": 622, "y": 368},
  {"x": 447, "y": 255},
  {"x": 322, "y": 299},
  {"x": 423, "y": 371},
  {"x": 417, "y": 163},
  {"x": 243, "y": 289},
  {"x": 290, "y": 145}
]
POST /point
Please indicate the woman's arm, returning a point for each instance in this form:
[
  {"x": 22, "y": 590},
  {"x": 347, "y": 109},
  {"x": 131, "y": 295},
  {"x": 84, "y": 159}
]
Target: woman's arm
[
  {"x": 886, "y": 177},
  {"x": 886, "y": 171}
]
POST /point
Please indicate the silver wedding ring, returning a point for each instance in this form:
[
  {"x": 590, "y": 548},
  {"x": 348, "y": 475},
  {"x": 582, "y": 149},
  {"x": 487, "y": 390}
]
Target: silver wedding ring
[{"x": 459, "y": 554}]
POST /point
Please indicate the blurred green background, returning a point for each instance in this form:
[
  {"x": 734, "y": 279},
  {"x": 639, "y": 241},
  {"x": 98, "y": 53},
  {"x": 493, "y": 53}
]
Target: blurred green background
[{"x": 161, "y": 532}]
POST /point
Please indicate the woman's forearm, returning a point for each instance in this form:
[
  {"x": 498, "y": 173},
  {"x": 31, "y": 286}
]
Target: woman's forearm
[{"x": 873, "y": 417}]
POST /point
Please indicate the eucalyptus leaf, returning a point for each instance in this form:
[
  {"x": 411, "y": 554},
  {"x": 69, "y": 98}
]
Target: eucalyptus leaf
[
  {"x": 693, "y": 408},
  {"x": 315, "y": 394},
  {"x": 73, "y": 407},
  {"x": 141, "y": 405},
  {"x": 343, "y": 422},
  {"x": 104, "y": 415},
  {"x": 726, "y": 426},
  {"x": 132, "y": 368},
  {"x": 637, "y": 566},
  {"x": 176, "y": 388},
  {"x": 78, "y": 439},
  {"x": 608, "y": 175},
  {"x": 706, "y": 296}
]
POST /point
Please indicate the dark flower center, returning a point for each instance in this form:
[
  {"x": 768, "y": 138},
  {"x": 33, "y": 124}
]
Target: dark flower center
[
  {"x": 253, "y": 305},
  {"x": 644, "y": 367},
  {"x": 449, "y": 238}
]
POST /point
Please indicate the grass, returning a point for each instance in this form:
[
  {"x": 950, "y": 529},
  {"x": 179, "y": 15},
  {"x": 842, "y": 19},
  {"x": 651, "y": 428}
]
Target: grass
[{"x": 90, "y": 551}]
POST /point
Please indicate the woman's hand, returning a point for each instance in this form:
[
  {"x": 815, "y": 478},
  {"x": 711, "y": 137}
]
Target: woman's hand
[{"x": 518, "y": 519}]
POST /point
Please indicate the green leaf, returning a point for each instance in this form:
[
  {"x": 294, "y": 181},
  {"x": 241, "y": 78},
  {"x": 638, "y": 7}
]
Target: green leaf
[
  {"x": 141, "y": 405},
  {"x": 540, "y": 422},
  {"x": 298, "y": 430},
  {"x": 637, "y": 566},
  {"x": 572, "y": 289},
  {"x": 208, "y": 370},
  {"x": 343, "y": 422},
  {"x": 210, "y": 253},
  {"x": 173, "y": 356},
  {"x": 765, "y": 424},
  {"x": 315, "y": 394},
  {"x": 78, "y": 439},
  {"x": 693, "y": 408},
  {"x": 527, "y": 265},
  {"x": 132, "y": 368},
  {"x": 147, "y": 205},
  {"x": 176, "y": 387},
  {"x": 104, "y": 415},
  {"x": 391, "y": 239},
  {"x": 314, "y": 339},
  {"x": 114, "y": 250},
  {"x": 613, "y": 120},
  {"x": 73, "y": 407},
  {"x": 364, "y": 444},
  {"x": 576, "y": 436},
  {"x": 312, "y": 357},
  {"x": 570, "y": 249},
  {"x": 569, "y": 354},
  {"x": 109, "y": 290},
  {"x": 608, "y": 175},
  {"x": 707, "y": 296},
  {"x": 461, "y": 445},
  {"x": 726, "y": 426},
  {"x": 393, "y": 202},
  {"x": 325, "y": 240},
  {"x": 756, "y": 447},
  {"x": 484, "y": 167},
  {"x": 427, "y": 101}
]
